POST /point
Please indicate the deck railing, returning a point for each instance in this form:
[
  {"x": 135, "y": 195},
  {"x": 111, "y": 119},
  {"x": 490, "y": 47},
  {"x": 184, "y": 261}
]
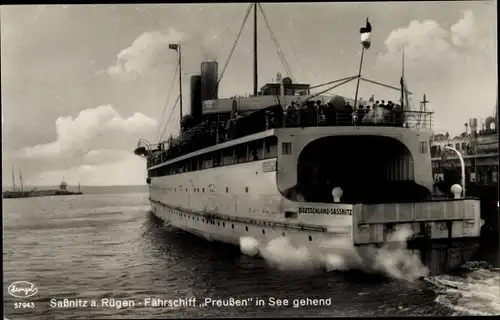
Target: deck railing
[{"x": 216, "y": 132}]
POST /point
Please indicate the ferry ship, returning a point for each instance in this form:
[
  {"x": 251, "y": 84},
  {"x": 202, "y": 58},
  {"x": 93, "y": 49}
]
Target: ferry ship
[{"x": 285, "y": 162}]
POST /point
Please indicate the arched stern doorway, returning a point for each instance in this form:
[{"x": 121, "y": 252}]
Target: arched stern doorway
[{"x": 369, "y": 169}]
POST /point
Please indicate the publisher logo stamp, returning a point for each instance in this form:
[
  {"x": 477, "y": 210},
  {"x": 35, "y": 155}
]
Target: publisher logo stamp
[{"x": 22, "y": 289}]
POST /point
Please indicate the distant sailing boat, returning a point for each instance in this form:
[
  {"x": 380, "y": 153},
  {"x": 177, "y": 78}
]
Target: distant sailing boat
[{"x": 20, "y": 193}]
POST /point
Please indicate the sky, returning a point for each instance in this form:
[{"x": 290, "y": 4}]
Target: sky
[{"x": 82, "y": 83}]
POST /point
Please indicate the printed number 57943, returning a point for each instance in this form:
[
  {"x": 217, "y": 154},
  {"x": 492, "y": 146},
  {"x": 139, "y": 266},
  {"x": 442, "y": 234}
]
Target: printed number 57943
[{"x": 24, "y": 305}]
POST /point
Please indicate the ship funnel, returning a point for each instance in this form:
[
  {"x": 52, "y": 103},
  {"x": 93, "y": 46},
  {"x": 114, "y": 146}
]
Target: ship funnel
[
  {"x": 196, "y": 99},
  {"x": 209, "y": 78},
  {"x": 473, "y": 126}
]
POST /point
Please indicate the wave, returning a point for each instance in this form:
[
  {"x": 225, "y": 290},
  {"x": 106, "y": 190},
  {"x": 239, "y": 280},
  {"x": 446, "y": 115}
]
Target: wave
[{"x": 475, "y": 292}]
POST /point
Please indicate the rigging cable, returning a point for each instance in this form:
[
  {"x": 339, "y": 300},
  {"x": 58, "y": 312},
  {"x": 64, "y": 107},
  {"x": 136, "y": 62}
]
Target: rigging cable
[
  {"x": 168, "y": 99},
  {"x": 228, "y": 31},
  {"x": 169, "y": 117},
  {"x": 278, "y": 48},
  {"x": 236, "y": 42}
]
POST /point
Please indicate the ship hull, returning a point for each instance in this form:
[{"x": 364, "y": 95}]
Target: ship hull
[
  {"x": 256, "y": 238},
  {"x": 257, "y": 201},
  {"x": 437, "y": 255}
]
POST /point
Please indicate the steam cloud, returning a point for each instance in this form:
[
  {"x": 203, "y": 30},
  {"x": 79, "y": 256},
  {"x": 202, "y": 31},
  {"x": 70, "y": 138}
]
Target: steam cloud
[
  {"x": 393, "y": 260},
  {"x": 150, "y": 48},
  {"x": 143, "y": 54}
]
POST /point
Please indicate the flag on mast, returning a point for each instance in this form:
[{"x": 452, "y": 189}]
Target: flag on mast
[
  {"x": 366, "y": 33},
  {"x": 173, "y": 47}
]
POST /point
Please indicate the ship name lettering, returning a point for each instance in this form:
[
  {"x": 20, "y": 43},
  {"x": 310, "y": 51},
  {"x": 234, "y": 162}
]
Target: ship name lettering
[
  {"x": 332, "y": 211},
  {"x": 231, "y": 302}
]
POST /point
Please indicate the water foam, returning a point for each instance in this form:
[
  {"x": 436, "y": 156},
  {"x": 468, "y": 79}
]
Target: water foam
[
  {"x": 249, "y": 246},
  {"x": 393, "y": 259},
  {"x": 475, "y": 293}
]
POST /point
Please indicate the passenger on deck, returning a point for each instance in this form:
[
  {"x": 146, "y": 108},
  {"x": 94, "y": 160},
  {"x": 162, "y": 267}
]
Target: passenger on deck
[
  {"x": 368, "y": 116},
  {"x": 360, "y": 114},
  {"x": 398, "y": 116},
  {"x": 291, "y": 115},
  {"x": 329, "y": 112},
  {"x": 255, "y": 157},
  {"x": 318, "y": 105},
  {"x": 346, "y": 118},
  {"x": 321, "y": 117},
  {"x": 312, "y": 114},
  {"x": 375, "y": 115}
]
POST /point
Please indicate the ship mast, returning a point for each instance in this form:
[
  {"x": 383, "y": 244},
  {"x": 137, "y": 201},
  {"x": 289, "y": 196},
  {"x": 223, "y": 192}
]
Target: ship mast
[
  {"x": 13, "y": 179},
  {"x": 255, "y": 76},
  {"x": 402, "y": 79},
  {"x": 21, "y": 178},
  {"x": 180, "y": 84}
]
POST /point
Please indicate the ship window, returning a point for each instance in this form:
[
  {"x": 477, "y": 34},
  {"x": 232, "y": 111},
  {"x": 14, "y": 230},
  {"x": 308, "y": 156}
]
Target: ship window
[
  {"x": 228, "y": 156},
  {"x": 255, "y": 149},
  {"x": 286, "y": 148},
  {"x": 457, "y": 146},
  {"x": 227, "y": 189},
  {"x": 463, "y": 146},
  {"x": 423, "y": 146},
  {"x": 240, "y": 153},
  {"x": 217, "y": 156},
  {"x": 207, "y": 161},
  {"x": 270, "y": 147},
  {"x": 194, "y": 164}
]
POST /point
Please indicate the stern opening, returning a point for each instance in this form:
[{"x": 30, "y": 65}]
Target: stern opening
[{"x": 369, "y": 169}]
